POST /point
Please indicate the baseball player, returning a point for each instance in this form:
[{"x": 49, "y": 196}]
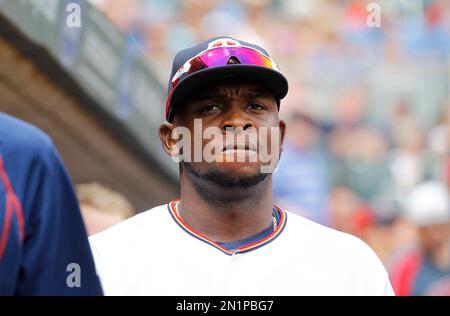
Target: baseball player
[
  {"x": 224, "y": 236},
  {"x": 44, "y": 248}
]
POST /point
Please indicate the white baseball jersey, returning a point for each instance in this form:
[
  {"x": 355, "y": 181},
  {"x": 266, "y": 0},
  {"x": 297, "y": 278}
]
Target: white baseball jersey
[{"x": 156, "y": 253}]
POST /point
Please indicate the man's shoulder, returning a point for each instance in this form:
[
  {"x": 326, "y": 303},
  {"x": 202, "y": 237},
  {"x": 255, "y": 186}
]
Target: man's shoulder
[
  {"x": 337, "y": 252},
  {"x": 325, "y": 238},
  {"x": 152, "y": 221},
  {"x": 303, "y": 225}
]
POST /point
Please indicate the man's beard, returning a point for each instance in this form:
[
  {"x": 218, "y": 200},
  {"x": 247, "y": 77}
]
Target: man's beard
[{"x": 223, "y": 179}]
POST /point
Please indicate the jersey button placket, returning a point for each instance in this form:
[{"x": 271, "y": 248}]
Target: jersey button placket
[{"x": 231, "y": 271}]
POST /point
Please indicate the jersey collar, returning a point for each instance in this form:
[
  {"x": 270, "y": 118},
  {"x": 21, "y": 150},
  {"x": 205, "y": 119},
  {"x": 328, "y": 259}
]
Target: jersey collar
[{"x": 172, "y": 207}]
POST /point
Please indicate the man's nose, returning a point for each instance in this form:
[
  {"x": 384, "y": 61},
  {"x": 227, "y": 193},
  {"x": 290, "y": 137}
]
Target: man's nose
[{"x": 235, "y": 120}]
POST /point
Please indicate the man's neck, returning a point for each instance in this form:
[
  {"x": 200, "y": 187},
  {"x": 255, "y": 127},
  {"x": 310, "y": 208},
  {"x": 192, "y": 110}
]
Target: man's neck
[{"x": 245, "y": 213}]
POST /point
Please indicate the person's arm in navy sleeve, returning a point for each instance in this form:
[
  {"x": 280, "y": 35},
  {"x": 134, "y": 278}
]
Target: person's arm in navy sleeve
[{"x": 54, "y": 257}]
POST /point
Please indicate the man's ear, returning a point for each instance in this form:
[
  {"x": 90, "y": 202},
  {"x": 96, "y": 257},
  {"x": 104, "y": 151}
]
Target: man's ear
[
  {"x": 283, "y": 128},
  {"x": 165, "y": 135}
]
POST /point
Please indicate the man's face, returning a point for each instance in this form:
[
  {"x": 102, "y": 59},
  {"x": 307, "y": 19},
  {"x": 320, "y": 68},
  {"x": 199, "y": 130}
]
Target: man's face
[
  {"x": 434, "y": 235},
  {"x": 240, "y": 111}
]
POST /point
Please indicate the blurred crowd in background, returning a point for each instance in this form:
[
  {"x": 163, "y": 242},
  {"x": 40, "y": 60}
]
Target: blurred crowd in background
[{"x": 368, "y": 112}]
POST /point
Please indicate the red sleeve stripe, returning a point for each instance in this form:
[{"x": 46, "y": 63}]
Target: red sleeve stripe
[{"x": 12, "y": 202}]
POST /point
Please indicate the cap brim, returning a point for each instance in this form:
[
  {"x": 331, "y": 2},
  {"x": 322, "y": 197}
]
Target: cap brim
[{"x": 270, "y": 79}]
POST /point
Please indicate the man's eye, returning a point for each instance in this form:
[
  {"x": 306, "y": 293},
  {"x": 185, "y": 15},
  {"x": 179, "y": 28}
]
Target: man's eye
[
  {"x": 209, "y": 108},
  {"x": 255, "y": 107}
]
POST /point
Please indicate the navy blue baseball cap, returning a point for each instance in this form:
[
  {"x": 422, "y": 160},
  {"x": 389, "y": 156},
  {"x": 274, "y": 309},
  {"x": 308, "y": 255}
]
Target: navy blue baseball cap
[{"x": 221, "y": 58}]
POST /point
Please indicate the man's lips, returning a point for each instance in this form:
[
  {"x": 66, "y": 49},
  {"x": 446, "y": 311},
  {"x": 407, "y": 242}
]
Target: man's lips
[{"x": 242, "y": 146}]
